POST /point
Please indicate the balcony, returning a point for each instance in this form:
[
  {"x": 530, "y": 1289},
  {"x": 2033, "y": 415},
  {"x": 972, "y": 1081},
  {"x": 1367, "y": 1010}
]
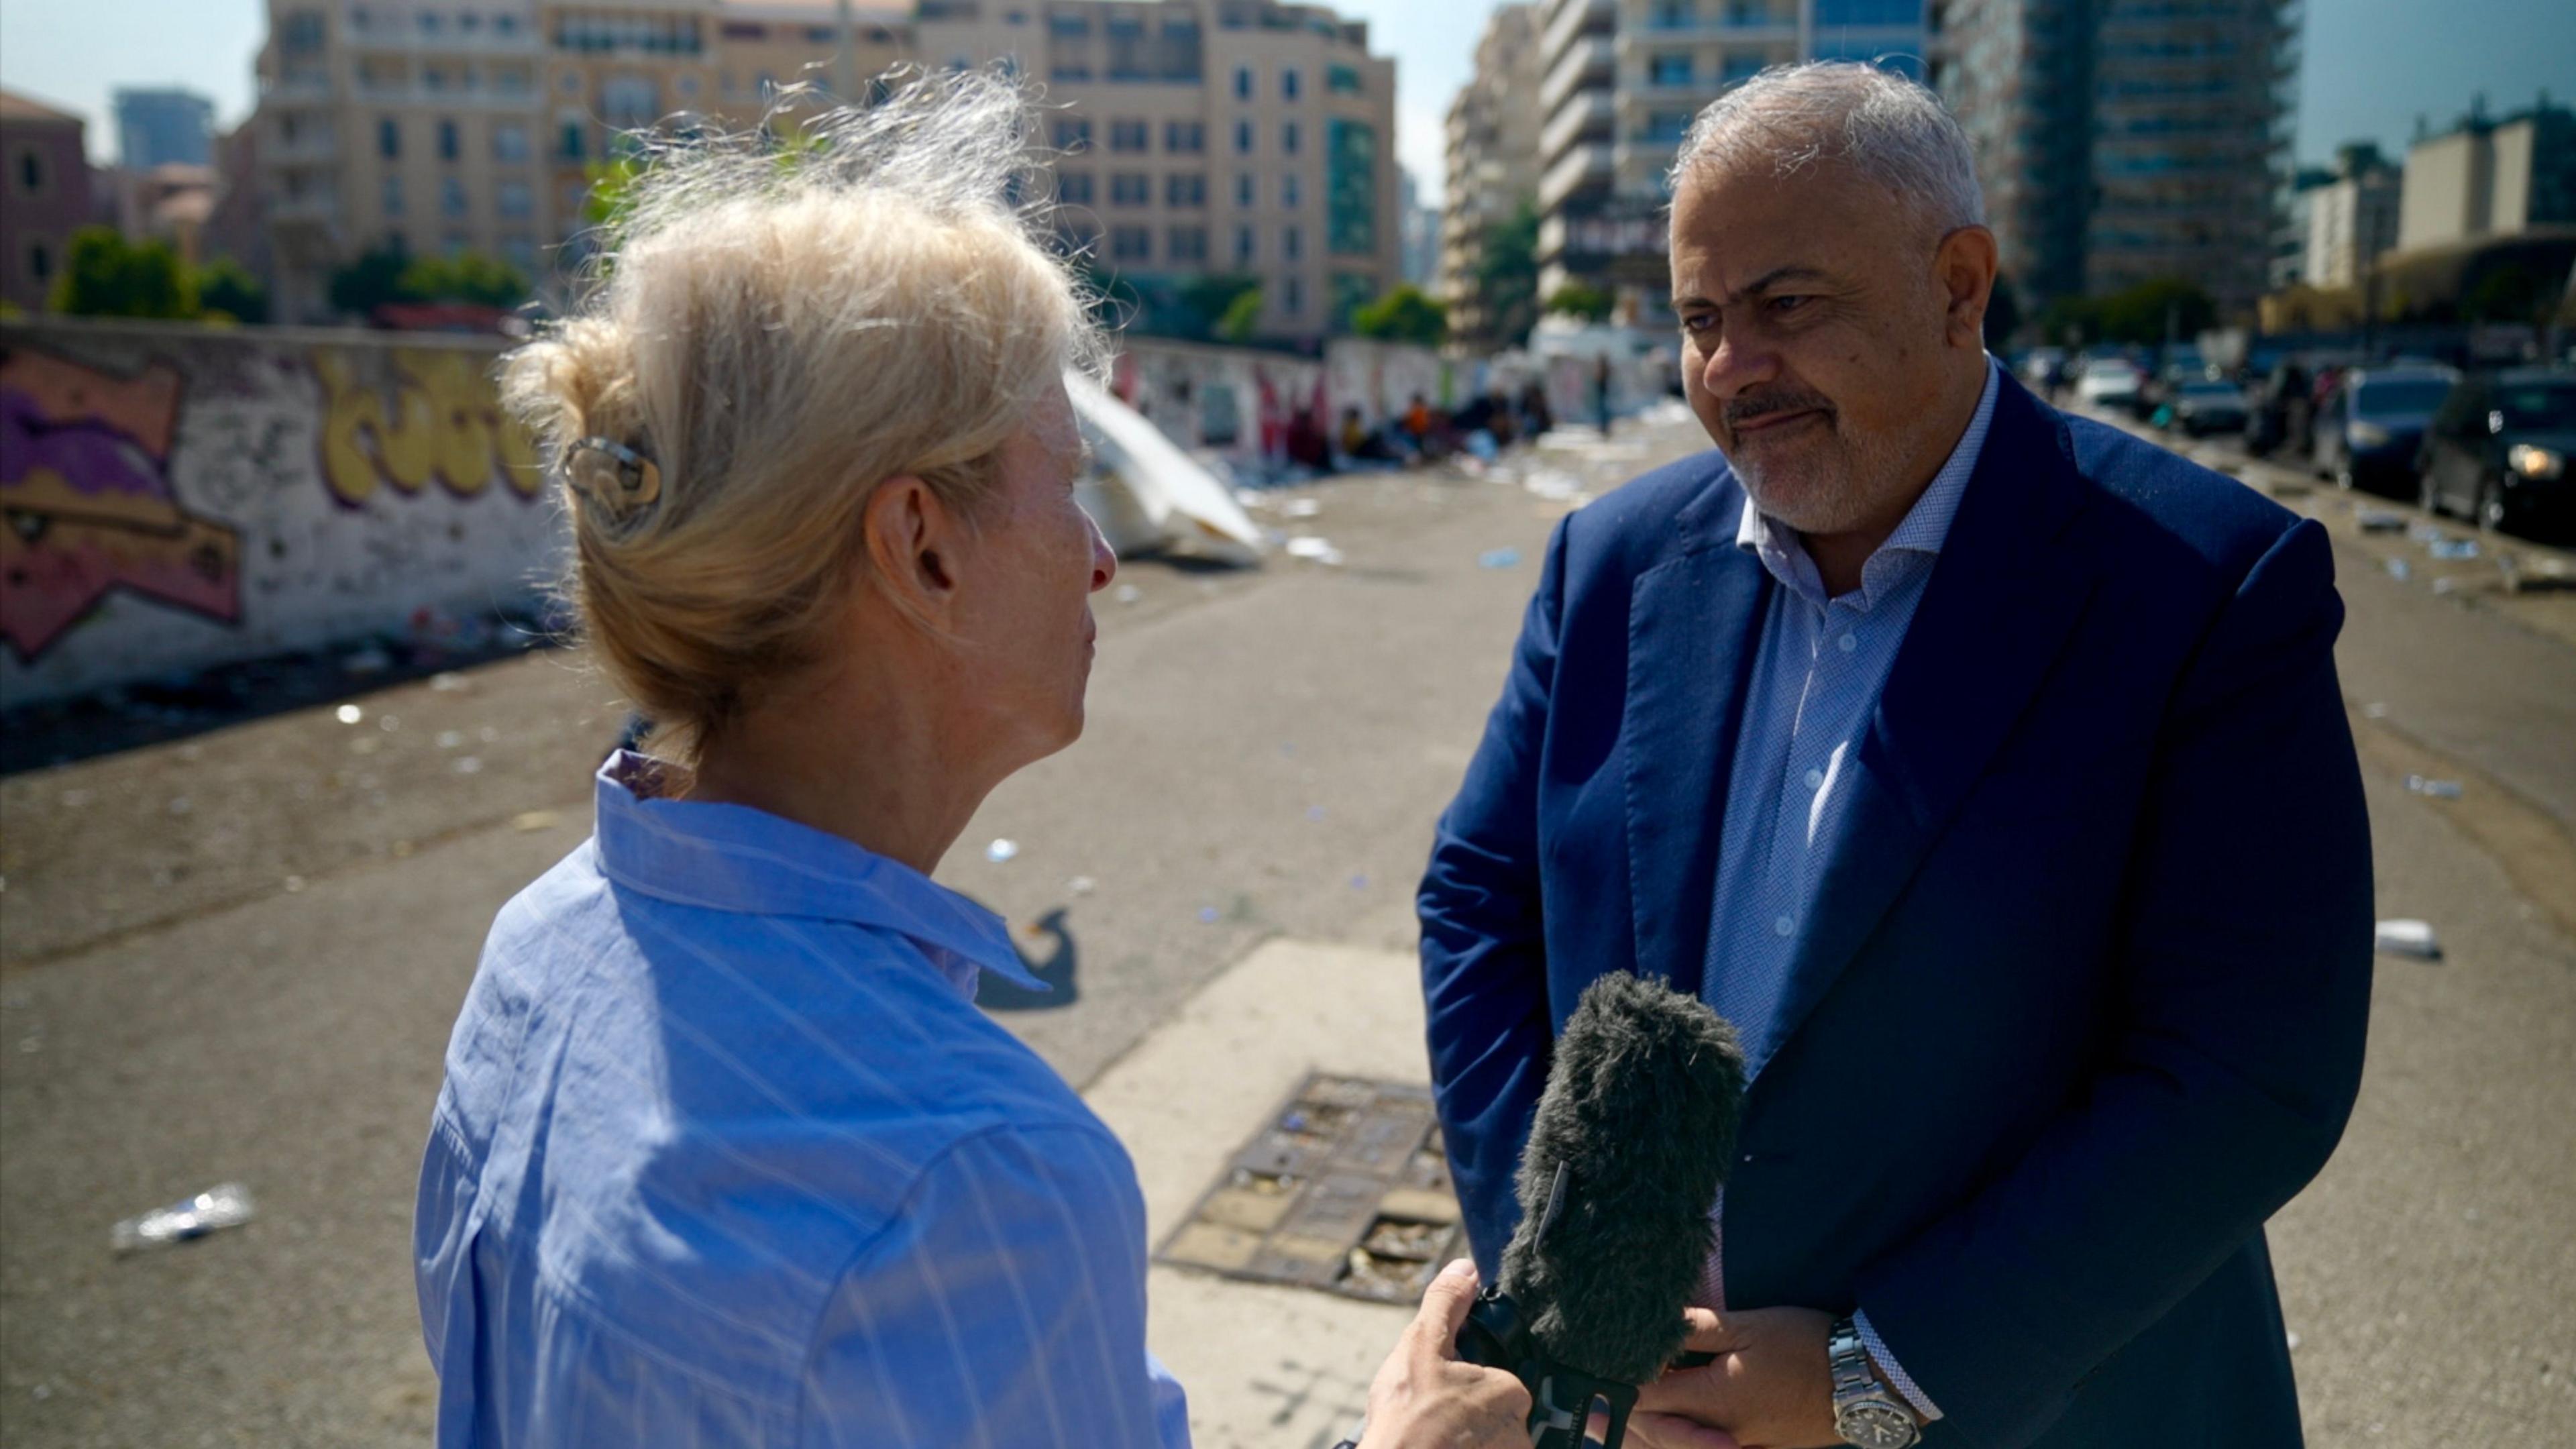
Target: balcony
[
  {"x": 317, "y": 206},
  {"x": 296, "y": 88},
  {"x": 1590, "y": 115},
  {"x": 1582, "y": 167},
  {"x": 1591, "y": 61},
  {"x": 316, "y": 147},
  {"x": 1577, "y": 17}
]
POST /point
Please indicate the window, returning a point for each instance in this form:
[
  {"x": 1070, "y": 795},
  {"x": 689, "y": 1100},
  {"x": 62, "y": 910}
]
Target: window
[
  {"x": 388, "y": 138},
  {"x": 1288, "y": 84},
  {"x": 1243, "y": 246},
  {"x": 1667, "y": 125},
  {"x": 1745, "y": 14},
  {"x": 1073, "y": 135},
  {"x": 1288, "y": 191},
  {"x": 1869, "y": 12},
  {"x": 1073, "y": 188},
  {"x": 1288, "y": 138},
  {"x": 1186, "y": 244},
  {"x": 519, "y": 251},
  {"x": 1294, "y": 296},
  {"x": 1243, "y": 138},
  {"x": 449, "y": 143},
  {"x": 1674, "y": 15},
  {"x": 1182, "y": 190},
  {"x": 1066, "y": 26},
  {"x": 1342, "y": 80},
  {"x": 31, "y": 172},
  {"x": 1671, "y": 68},
  {"x": 1740, "y": 68},
  {"x": 431, "y": 22},
  {"x": 568, "y": 140},
  {"x": 1185, "y": 138},
  {"x": 469, "y": 22},
  {"x": 1243, "y": 83},
  {"x": 1291, "y": 243},
  {"x": 1131, "y": 188},
  {"x": 1130, "y": 136},
  {"x": 451, "y": 196},
  {"x": 629, "y": 102},
  {"x": 514, "y": 199},
  {"x": 393, "y": 197},
  {"x": 509, "y": 142},
  {"x": 1243, "y": 185},
  {"x": 505, "y": 25},
  {"x": 1131, "y": 244},
  {"x": 40, "y": 261}
]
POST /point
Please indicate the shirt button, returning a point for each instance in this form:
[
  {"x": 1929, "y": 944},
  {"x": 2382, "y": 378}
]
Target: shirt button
[
  {"x": 1783, "y": 926},
  {"x": 1815, "y": 779},
  {"x": 1849, "y": 642}
]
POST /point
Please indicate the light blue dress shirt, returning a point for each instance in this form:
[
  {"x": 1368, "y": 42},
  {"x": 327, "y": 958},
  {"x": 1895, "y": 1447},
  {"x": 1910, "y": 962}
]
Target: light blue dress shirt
[
  {"x": 1815, "y": 681},
  {"x": 727, "y": 1156}
]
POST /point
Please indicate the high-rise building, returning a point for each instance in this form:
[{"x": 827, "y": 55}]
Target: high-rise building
[
  {"x": 46, "y": 191},
  {"x": 163, "y": 127},
  {"x": 1419, "y": 254},
  {"x": 2351, "y": 218},
  {"x": 2122, "y": 141},
  {"x": 1622, "y": 81},
  {"x": 1492, "y": 155},
  {"x": 2490, "y": 178},
  {"x": 1198, "y": 137}
]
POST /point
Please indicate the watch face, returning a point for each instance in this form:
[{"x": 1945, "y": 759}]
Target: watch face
[{"x": 1875, "y": 1425}]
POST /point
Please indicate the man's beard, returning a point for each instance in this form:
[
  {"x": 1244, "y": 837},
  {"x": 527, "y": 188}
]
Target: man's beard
[{"x": 1831, "y": 484}]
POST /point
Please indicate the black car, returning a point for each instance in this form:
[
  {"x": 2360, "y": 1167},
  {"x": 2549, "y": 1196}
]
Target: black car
[
  {"x": 2203, "y": 406},
  {"x": 2372, "y": 425},
  {"x": 2499, "y": 447}
]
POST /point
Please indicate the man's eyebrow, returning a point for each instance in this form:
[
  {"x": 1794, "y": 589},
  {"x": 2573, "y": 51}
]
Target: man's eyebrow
[{"x": 1794, "y": 272}]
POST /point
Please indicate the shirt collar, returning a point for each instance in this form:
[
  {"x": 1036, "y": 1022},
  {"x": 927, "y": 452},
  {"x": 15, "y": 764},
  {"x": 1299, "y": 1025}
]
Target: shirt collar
[
  {"x": 735, "y": 858},
  {"x": 1925, "y": 528}
]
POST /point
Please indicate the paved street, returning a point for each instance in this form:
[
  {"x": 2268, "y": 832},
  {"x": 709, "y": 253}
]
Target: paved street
[{"x": 237, "y": 956}]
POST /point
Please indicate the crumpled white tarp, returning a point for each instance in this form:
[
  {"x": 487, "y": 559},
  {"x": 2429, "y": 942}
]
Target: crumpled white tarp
[{"x": 1146, "y": 494}]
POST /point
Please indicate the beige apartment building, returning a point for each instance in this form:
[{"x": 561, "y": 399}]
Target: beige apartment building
[
  {"x": 1199, "y": 135},
  {"x": 1208, "y": 136},
  {"x": 2490, "y": 178},
  {"x": 1492, "y": 155}
]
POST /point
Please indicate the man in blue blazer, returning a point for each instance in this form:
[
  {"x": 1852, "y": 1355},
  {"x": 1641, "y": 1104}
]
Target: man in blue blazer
[{"x": 1987, "y": 768}]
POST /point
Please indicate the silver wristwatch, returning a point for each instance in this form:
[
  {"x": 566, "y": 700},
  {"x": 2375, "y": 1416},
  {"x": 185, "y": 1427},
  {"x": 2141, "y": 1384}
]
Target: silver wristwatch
[{"x": 1867, "y": 1413}]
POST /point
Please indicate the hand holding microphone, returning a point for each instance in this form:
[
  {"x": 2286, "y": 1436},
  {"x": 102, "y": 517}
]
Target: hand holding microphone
[{"x": 1424, "y": 1395}]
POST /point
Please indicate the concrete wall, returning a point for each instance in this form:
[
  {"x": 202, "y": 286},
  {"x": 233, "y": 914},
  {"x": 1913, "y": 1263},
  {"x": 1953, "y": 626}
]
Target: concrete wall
[
  {"x": 1238, "y": 402},
  {"x": 179, "y": 497}
]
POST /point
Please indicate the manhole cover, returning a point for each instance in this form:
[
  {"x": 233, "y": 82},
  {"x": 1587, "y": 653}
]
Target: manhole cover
[{"x": 1345, "y": 1188}]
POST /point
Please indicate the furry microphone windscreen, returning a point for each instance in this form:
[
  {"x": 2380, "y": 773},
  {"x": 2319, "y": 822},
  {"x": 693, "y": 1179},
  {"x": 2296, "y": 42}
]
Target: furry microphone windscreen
[{"x": 1631, "y": 1141}]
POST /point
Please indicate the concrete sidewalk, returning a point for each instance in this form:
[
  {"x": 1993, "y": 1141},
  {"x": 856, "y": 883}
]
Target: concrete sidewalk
[{"x": 1266, "y": 1367}]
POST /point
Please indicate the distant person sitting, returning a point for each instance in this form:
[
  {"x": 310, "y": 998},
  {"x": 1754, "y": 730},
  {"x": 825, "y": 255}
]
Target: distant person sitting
[
  {"x": 725, "y": 1153},
  {"x": 1363, "y": 444},
  {"x": 1536, "y": 416}
]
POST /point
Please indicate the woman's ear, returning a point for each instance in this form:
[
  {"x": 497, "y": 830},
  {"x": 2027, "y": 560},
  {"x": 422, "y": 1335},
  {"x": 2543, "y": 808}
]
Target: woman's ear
[{"x": 912, "y": 540}]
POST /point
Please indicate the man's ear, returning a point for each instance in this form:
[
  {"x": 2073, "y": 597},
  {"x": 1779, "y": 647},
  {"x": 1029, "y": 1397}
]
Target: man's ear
[
  {"x": 1964, "y": 269},
  {"x": 912, "y": 540}
]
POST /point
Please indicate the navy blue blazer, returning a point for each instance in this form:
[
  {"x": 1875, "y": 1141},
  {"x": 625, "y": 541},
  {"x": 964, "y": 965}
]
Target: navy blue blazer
[{"x": 2084, "y": 994}]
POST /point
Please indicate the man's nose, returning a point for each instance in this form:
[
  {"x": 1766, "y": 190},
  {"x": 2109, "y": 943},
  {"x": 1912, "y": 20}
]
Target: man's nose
[{"x": 1735, "y": 362}]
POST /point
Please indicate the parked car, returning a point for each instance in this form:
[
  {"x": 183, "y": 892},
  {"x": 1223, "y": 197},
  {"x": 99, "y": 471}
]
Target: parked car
[
  {"x": 2372, "y": 425},
  {"x": 2498, "y": 450},
  {"x": 2205, "y": 405},
  {"x": 2109, "y": 382},
  {"x": 2284, "y": 402}
]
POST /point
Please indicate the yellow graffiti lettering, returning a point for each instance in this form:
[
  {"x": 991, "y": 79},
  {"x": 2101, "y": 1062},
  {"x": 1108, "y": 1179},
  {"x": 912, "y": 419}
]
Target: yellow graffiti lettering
[{"x": 446, "y": 423}]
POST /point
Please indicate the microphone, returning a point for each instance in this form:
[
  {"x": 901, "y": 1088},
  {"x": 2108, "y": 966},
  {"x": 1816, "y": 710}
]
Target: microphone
[{"x": 1630, "y": 1144}]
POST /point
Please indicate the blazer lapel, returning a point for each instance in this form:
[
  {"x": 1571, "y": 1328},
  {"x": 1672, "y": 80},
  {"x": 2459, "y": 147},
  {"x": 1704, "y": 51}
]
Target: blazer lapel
[
  {"x": 1692, "y": 628},
  {"x": 2002, "y": 601}
]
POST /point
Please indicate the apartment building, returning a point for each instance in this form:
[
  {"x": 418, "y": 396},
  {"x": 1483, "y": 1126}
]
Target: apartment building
[
  {"x": 163, "y": 126},
  {"x": 1208, "y": 136},
  {"x": 2351, "y": 218},
  {"x": 2122, "y": 141},
  {"x": 1492, "y": 170},
  {"x": 1621, "y": 82},
  {"x": 2490, "y": 178},
  {"x": 46, "y": 186}
]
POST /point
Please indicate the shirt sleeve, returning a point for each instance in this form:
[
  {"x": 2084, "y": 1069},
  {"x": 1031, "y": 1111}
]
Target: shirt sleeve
[
  {"x": 1897, "y": 1378},
  {"x": 1005, "y": 1306}
]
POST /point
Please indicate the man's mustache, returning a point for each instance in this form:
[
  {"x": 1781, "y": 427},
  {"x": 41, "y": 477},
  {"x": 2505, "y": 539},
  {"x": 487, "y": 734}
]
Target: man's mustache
[{"x": 1751, "y": 407}]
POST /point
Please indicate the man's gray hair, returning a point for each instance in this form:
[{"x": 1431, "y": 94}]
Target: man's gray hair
[{"x": 1889, "y": 129}]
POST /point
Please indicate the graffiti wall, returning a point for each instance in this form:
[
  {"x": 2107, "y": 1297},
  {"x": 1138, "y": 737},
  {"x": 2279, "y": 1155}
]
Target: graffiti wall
[
  {"x": 1245, "y": 405},
  {"x": 178, "y": 497}
]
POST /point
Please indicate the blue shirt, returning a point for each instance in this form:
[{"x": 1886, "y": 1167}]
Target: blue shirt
[
  {"x": 726, "y": 1156},
  {"x": 1815, "y": 681}
]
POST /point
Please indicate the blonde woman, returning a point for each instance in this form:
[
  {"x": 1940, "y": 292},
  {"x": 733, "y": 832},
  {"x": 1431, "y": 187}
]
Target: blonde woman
[{"x": 725, "y": 1154}]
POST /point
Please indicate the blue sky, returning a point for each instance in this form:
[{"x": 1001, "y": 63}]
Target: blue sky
[{"x": 2371, "y": 66}]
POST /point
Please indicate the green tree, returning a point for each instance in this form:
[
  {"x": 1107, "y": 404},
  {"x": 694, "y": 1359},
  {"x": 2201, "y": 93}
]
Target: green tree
[
  {"x": 1242, "y": 319},
  {"x": 1211, "y": 297},
  {"x": 2509, "y": 293},
  {"x": 472, "y": 277},
  {"x": 107, "y": 276},
  {"x": 2153, "y": 310},
  {"x": 226, "y": 286},
  {"x": 1580, "y": 299},
  {"x": 1403, "y": 315},
  {"x": 1507, "y": 277},
  {"x": 371, "y": 281}
]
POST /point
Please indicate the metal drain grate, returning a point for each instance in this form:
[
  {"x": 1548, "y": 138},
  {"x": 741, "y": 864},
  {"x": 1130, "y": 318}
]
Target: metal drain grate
[{"x": 1345, "y": 1188}]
